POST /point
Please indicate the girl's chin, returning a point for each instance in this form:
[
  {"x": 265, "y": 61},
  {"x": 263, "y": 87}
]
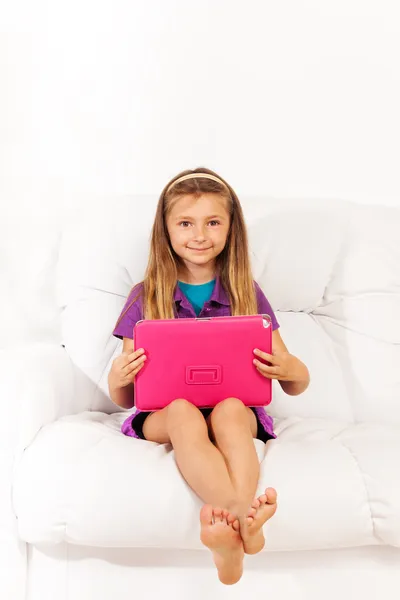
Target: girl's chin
[{"x": 199, "y": 260}]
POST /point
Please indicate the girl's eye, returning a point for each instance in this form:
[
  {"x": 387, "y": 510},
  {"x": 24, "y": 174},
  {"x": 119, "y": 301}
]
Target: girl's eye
[{"x": 186, "y": 223}]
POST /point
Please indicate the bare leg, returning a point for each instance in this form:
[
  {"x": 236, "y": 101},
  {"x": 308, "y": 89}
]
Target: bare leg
[
  {"x": 199, "y": 461},
  {"x": 205, "y": 470},
  {"x": 232, "y": 427}
]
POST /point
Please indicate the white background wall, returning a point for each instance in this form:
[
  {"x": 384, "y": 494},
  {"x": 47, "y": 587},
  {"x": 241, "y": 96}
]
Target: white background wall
[
  {"x": 293, "y": 98},
  {"x": 288, "y": 98}
]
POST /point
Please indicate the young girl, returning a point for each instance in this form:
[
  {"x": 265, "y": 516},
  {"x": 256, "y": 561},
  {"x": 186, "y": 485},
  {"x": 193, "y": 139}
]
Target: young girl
[{"x": 199, "y": 266}]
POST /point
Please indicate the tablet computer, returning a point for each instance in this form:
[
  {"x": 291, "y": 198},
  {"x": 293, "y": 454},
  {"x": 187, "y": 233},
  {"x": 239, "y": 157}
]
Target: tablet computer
[{"x": 204, "y": 361}]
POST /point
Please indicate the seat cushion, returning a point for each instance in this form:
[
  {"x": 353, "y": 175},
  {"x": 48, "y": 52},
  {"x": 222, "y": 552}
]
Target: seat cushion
[{"x": 83, "y": 482}]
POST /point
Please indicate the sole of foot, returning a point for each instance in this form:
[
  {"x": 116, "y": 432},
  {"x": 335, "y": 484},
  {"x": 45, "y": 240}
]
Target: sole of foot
[
  {"x": 262, "y": 509},
  {"x": 224, "y": 542}
]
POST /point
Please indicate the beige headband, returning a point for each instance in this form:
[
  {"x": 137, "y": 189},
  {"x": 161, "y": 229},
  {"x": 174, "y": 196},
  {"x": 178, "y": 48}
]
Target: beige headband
[{"x": 193, "y": 175}]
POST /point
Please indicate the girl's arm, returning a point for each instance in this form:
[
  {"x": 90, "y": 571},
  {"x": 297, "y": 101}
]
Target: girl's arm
[
  {"x": 294, "y": 388},
  {"x": 122, "y": 396},
  {"x": 291, "y": 372},
  {"x": 302, "y": 379}
]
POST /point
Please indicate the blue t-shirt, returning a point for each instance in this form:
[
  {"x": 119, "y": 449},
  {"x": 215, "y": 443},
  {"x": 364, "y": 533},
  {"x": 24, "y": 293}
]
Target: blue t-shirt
[{"x": 197, "y": 294}]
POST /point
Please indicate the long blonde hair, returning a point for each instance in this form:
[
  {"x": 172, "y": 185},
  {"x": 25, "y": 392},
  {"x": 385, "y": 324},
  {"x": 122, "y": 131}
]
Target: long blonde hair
[{"x": 232, "y": 264}]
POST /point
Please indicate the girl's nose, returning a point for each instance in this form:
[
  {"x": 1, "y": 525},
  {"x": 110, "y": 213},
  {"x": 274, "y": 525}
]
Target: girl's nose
[{"x": 199, "y": 235}]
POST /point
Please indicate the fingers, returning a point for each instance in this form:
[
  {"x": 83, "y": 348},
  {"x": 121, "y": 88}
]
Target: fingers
[
  {"x": 127, "y": 358},
  {"x": 127, "y": 374},
  {"x": 268, "y": 375},
  {"x": 265, "y": 356},
  {"x": 134, "y": 355},
  {"x": 125, "y": 368},
  {"x": 133, "y": 364},
  {"x": 265, "y": 368},
  {"x": 128, "y": 364},
  {"x": 133, "y": 373},
  {"x": 268, "y": 372}
]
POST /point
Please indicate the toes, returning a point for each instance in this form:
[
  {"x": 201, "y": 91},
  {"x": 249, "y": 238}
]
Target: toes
[
  {"x": 252, "y": 512},
  {"x": 249, "y": 520},
  {"x": 206, "y": 515},
  {"x": 263, "y": 499},
  {"x": 271, "y": 495},
  {"x": 256, "y": 503},
  {"x": 236, "y": 525},
  {"x": 218, "y": 516},
  {"x": 231, "y": 518},
  {"x": 225, "y": 515}
]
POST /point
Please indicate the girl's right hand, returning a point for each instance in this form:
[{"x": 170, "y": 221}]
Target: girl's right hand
[{"x": 125, "y": 367}]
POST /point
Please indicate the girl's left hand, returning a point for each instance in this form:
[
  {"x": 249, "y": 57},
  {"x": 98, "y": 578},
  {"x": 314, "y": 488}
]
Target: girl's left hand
[{"x": 284, "y": 366}]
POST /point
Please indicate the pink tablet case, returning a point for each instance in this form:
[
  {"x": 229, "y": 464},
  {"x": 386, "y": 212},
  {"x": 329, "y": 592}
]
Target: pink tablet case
[{"x": 202, "y": 360}]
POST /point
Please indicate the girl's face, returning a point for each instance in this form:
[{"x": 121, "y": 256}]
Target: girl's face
[{"x": 198, "y": 229}]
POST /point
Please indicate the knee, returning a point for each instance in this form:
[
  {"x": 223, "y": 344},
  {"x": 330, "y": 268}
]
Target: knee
[
  {"x": 181, "y": 410},
  {"x": 231, "y": 408}
]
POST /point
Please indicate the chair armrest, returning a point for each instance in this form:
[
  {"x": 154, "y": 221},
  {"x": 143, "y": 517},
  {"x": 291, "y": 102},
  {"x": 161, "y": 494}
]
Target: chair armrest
[
  {"x": 41, "y": 383},
  {"x": 13, "y": 559},
  {"x": 36, "y": 387}
]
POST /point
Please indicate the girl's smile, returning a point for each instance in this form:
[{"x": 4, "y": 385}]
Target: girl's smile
[{"x": 199, "y": 249}]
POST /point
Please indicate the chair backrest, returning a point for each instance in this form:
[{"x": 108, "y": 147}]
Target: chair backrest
[{"x": 330, "y": 269}]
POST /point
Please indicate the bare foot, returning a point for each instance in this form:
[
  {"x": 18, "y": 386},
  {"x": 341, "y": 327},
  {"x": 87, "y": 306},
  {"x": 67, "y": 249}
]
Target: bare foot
[
  {"x": 263, "y": 508},
  {"x": 224, "y": 542}
]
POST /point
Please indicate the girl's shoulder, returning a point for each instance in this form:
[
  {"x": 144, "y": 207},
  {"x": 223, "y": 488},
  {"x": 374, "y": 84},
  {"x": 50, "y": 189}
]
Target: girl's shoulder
[
  {"x": 264, "y": 306},
  {"x": 131, "y": 313},
  {"x": 259, "y": 292},
  {"x": 257, "y": 286},
  {"x": 136, "y": 293}
]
